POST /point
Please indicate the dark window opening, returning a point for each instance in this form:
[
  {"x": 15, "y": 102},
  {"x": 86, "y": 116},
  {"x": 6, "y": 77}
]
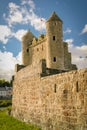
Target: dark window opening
[
  {"x": 55, "y": 23},
  {"x": 77, "y": 87},
  {"x": 55, "y": 88},
  {"x": 27, "y": 50},
  {"x": 64, "y": 91},
  {"x": 54, "y": 59},
  {"x": 54, "y": 38},
  {"x": 37, "y": 49}
]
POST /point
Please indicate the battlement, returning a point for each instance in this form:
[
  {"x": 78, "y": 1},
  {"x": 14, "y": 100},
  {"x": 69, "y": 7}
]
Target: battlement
[{"x": 38, "y": 40}]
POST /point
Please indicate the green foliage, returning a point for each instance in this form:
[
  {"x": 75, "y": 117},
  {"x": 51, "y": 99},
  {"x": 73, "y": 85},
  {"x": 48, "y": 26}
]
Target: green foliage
[
  {"x": 5, "y": 103},
  {"x": 9, "y": 123},
  {"x": 4, "y": 83}
]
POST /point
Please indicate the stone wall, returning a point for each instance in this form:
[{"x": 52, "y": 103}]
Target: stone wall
[
  {"x": 67, "y": 57},
  {"x": 56, "y": 102},
  {"x": 39, "y": 52}
]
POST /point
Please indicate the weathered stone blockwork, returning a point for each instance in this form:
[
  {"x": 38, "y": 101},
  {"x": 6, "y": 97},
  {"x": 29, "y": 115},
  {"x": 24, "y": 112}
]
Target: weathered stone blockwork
[{"x": 56, "y": 102}]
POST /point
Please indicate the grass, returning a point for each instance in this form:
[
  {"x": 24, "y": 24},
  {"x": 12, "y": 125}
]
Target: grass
[{"x": 9, "y": 123}]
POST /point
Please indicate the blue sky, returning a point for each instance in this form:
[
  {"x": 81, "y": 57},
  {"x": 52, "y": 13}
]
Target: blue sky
[{"x": 17, "y": 16}]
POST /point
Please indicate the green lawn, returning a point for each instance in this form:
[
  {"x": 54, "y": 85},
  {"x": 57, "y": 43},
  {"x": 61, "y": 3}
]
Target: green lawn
[{"x": 9, "y": 123}]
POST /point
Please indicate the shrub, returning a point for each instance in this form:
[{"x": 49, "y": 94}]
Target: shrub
[{"x": 5, "y": 103}]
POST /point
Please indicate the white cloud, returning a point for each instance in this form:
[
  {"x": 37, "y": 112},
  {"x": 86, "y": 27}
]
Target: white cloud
[
  {"x": 19, "y": 58},
  {"x": 70, "y": 42},
  {"x": 5, "y": 33},
  {"x": 68, "y": 30},
  {"x": 15, "y": 15},
  {"x": 28, "y": 2},
  {"x": 24, "y": 14},
  {"x": 82, "y": 48},
  {"x": 18, "y": 35},
  {"x": 7, "y": 64},
  {"x": 79, "y": 54},
  {"x": 84, "y": 30},
  {"x": 37, "y": 23},
  {"x": 20, "y": 14}
]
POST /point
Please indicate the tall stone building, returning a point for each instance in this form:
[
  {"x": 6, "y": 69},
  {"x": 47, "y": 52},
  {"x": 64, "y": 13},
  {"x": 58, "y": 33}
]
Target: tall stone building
[
  {"x": 49, "y": 48},
  {"x": 48, "y": 90}
]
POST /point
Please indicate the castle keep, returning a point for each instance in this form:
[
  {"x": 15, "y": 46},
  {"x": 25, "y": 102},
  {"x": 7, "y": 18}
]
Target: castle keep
[
  {"x": 48, "y": 90},
  {"x": 48, "y": 49}
]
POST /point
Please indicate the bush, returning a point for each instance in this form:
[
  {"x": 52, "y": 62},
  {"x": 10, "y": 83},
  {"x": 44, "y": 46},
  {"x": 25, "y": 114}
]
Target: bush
[{"x": 5, "y": 103}]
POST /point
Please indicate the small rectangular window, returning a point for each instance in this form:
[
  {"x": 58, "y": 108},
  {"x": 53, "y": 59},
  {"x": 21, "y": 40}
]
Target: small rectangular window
[
  {"x": 54, "y": 38},
  {"x": 42, "y": 47},
  {"x": 37, "y": 49},
  {"x": 55, "y": 88},
  {"x": 77, "y": 87},
  {"x": 54, "y": 59},
  {"x": 27, "y": 50}
]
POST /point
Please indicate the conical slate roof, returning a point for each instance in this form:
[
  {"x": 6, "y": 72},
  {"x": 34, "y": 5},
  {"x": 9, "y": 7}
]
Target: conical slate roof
[{"x": 54, "y": 17}]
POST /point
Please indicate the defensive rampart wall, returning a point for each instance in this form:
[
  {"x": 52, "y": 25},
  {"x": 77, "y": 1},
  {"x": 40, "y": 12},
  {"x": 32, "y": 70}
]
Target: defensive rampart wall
[{"x": 55, "y": 102}]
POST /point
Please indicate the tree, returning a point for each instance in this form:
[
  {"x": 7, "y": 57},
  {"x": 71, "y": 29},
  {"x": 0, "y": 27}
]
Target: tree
[{"x": 4, "y": 83}]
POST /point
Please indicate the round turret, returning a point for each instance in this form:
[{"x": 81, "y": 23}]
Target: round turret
[
  {"x": 26, "y": 41},
  {"x": 54, "y": 42}
]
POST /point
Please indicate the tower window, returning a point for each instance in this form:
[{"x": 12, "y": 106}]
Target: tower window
[
  {"x": 54, "y": 38},
  {"x": 77, "y": 87},
  {"x": 42, "y": 47},
  {"x": 27, "y": 50},
  {"x": 55, "y": 88},
  {"x": 54, "y": 59},
  {"x": 37, "y": 49},
  {"x": 55, "y": 23}
]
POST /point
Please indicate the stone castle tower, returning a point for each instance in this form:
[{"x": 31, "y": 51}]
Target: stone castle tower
[
  {"x": 55, "y": 53},
  {"x": 48, "y": 49},
  {"x": 44, "y": 92}
]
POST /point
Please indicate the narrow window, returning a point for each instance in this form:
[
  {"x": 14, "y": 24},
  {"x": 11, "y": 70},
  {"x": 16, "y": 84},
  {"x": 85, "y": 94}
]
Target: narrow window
[
  {"x": 27, "y": 50},
  {"x": 37, "y": 49},
  {"x": 54, "y": 59},
  {"x": 77, "y": 87},
  {"x": 54, "y": 38},
  {"x": 55, "y": 23},
  {"x": 55, "y": 88}
]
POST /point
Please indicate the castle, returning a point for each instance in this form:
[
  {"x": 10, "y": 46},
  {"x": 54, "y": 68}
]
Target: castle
[
  {"x": 48, "y": 90},
  {"x": 48, "y": 49}
]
